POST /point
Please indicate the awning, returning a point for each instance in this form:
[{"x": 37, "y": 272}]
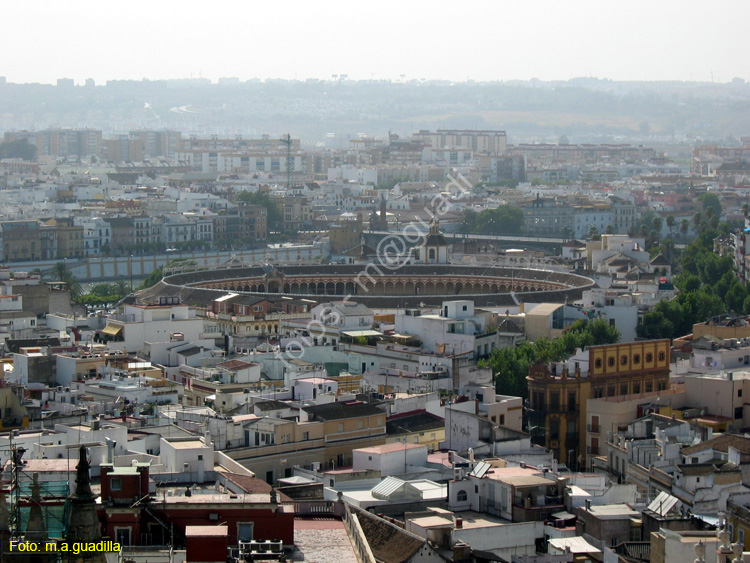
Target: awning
[
  {"x": 112, "y": 330},
  {"x": 356, "y": 333}
]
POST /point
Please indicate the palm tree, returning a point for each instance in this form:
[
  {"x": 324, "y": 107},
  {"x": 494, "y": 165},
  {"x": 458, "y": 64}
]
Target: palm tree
[
  {"x": 122, "y": 287},
  {"x": 657, "y": 224},
  {"x": 697, "y": 218},
  {"x": 670, "y": 224},
  {"x": 684, "y": 226},
  {"x": 60, "y": 272}
]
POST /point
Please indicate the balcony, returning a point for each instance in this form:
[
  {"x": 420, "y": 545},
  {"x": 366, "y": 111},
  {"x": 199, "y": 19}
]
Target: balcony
[
  {"x": 592, "y": 450},
  {"x": 595, "y": 428}
]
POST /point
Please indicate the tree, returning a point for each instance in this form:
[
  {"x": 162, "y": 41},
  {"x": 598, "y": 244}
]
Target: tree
[
  {"x": 684, "y": 227},
  {"x": 670, "y": 224},
  {"x": 610, "y": 230},
  {"x": 711, "y": 201},
  {"x": 657, "y": 223},
  {"x": 152, "y": 279},
  {"x": 275, "y": 221},
  {"x": 594, "y": 233},
  {"x": 655, "y": 325},
  {"x": 122, "y": 287},
  {"x": 504, "y": 220},
  {"x": 20, "y": 148},
  {"x": 697, "y": 219},
  {"x": 61, "y": 273},
  {"x": 510, "y": 366},
  {"x": 602, "y": 332},
  {"x": 745, "y": 209}
]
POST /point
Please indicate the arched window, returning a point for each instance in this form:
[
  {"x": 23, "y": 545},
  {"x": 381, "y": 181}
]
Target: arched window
[
  {"x": 462, "y": 496},
  {"x": 432, "y": 253}
]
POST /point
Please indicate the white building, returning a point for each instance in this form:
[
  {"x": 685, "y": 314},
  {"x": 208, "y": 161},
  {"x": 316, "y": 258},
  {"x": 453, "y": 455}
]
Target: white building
[
  {"x": 191, "y": 457},
  {"x": 456, "y": 329},
  {"x": 390, "y": 459},
  {"x": 151, "y": 323}
]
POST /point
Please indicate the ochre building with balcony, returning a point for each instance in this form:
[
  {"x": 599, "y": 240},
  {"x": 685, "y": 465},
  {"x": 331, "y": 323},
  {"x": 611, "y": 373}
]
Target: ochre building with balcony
[{"x": 558, "y": 392}]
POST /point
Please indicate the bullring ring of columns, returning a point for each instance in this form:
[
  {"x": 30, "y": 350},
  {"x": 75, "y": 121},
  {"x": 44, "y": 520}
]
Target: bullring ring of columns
[{"x": 392, "y": 285}]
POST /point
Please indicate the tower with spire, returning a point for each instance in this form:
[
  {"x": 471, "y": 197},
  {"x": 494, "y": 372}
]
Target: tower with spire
[{"x": 83, "y": 525}]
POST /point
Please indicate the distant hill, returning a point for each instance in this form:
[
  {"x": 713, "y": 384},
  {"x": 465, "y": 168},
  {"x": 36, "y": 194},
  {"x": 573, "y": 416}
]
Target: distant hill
[{"x": 582, "y": 109}]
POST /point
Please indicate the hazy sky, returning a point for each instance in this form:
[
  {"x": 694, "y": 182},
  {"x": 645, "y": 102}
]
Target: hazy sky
[{"x": 43, "y": 40}]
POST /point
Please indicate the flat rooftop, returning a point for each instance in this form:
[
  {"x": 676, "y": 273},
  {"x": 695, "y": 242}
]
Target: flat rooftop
[
  {"x": 390, "y": 448},
  {"x": 323, "y": 540}
]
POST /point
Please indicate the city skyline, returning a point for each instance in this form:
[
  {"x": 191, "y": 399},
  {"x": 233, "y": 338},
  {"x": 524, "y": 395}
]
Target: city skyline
[{"x": 479, "y": 41}]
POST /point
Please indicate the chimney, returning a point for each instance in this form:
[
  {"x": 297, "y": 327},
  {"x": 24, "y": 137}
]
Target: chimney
[
  {"x": 588, "y": 504},
  {"x": 110, "y": 450}
]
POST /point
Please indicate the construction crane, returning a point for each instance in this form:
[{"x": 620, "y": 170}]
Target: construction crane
[{"x": 289, "y": 159}]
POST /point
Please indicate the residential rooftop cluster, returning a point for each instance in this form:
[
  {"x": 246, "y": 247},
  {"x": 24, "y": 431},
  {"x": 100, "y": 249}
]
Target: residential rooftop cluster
[{"x": 292, "y": 387}]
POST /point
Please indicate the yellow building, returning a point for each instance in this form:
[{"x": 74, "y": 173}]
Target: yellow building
[
  {"x": 69, "y": 238},
  {"x": 13, "y": 414},
  {"x": 420, "y": 428},
  {"x": 738, "y": 521},
  {"x": 558, "y": 393}
]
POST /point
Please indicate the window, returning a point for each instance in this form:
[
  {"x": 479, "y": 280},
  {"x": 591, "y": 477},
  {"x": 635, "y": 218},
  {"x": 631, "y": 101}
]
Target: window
[
  {"x": 611, "y": 391},
  {"x": 649, "y": 387},
  {"x": 361, "y": 424},
  {"x": 462, "y": 496},
  {"x": 662, "y": 356},
  {"x": 554, "y": 429},
  {"x": 623, "y": 389},
  {"x": 115, "y": 484},
  {"x": 123, "y": 536},
  {"x": 598, "y": 362},
  {"x": 649, "y": 358},
  {"x": 244, "y": 531},
  {"x": 554, "y": 401},
  {"x": 739, "y": 392},
  {"x": 611, "y": 361},
  {"x": 341, "y": 426},
  {"x": 623, "y": 360},
  {"x": 571, "y": 401},
  {"x": 636, "y": 359},
  {"x": 502, "y": 420},
  {"x": 305, "y": 435},
  {"x": 636, "y": 388}
]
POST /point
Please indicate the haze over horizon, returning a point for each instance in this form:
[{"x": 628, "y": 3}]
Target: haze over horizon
[{"x": 479, "y": 40}]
